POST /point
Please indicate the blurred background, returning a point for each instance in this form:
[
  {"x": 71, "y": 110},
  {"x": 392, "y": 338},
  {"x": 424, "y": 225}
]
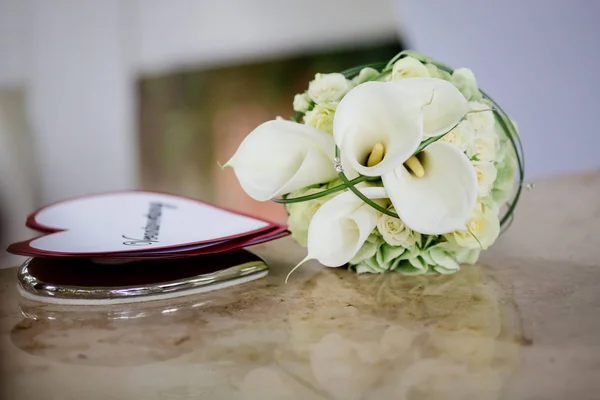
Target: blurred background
[{"x": 118, "y": 94}]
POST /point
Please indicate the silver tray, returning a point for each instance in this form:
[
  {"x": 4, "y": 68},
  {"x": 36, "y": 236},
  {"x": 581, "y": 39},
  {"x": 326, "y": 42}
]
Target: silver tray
[{"x": 85, "y": 282}]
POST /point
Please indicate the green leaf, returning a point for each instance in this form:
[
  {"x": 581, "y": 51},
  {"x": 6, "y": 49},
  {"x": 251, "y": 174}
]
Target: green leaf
[{"x": 428, "y": 241}]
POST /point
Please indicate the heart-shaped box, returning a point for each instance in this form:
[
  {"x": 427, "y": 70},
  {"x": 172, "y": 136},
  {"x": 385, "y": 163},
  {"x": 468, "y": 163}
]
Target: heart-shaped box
[
  {"x": 84, "y": 282},
  {"x": 140, "y": 225}
]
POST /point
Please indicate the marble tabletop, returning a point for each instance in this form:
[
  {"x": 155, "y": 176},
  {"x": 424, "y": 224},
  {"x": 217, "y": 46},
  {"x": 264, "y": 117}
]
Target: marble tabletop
[{"x": 524, "y": 323}]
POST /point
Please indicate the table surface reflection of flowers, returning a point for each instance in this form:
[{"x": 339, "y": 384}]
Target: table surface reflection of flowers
[
  {"x": 403, "y": 166},
  {"x": 328, "y": 334},
  {"x": 419, "y": 337}
]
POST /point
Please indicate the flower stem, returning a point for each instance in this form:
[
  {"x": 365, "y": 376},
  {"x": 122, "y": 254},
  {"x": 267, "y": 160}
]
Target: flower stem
[
  {"x": 324, "y": 193},
  {"x": 364, "y": 198},
  {"x": 296, "y": 117},
  {"x": 351, "y": 72},
  {"x": 350, "y": 185},
  {"x": 434, "y": 139}
]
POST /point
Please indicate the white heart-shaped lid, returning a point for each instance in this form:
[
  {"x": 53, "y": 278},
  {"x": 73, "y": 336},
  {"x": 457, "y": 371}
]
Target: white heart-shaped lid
[{"x": 135, "y": 221}]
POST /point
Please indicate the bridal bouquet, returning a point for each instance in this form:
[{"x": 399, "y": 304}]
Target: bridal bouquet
[{"x": 402, "y": 166}]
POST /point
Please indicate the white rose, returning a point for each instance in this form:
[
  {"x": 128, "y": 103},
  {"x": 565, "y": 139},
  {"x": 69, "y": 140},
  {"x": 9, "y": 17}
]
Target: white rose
[
  {"x": 484, "y": 147},
  {"x": 483, "y": 121},
  {"x": 321, "y": 117},
  {"x": 461, "y": 136},
  {"x": 504, "y": 185},
  {"x": 301, "y": 102},
  {"x": 435, "y": 72},
  {"x": 464, "y": 80},
  {"x": 394, "y": 232},
  {"x": 328, "y": 87},
  {"x": 486, "y": 175},
  {"x": 502, "y": 147},
  {"x": 409, "y": 67},
  {"x": 365, "y": 74},
  {"x": 482, "y": 229}
]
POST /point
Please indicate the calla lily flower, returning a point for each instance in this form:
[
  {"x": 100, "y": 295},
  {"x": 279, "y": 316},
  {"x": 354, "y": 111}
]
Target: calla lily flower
[
  {"x": 379, "y": 126},
  {"x": 396, "y": 115},
  {"x": 442, "y": 103},
  {"x": 377, "y": 113},
  {"x": 341, "y": 226},
  {"x": 279, "y": 157},
  {"x": 440, "y": 201}
]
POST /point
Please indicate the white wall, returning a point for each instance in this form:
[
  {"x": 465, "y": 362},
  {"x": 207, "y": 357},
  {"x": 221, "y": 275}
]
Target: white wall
[
  {"x": 79, "y": 61},
  {"x": 81, "y": 98},
  {"x": 171, "y": 34},
  {"x": 540, "y": 59},
  {"x": 13, "y": 42},
  {"x": 18, "y": 175}
]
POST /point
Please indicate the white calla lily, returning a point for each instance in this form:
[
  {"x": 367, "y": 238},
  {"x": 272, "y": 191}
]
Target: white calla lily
[
  {"x": 441, "y": 200},
  {"x": 442, "y": 103},
  {"x": 341, "y": 226},
  {"x": 432, "y": 194},
  {"x": 395, "y": 116},
  {"x": 377, "y": 113},
  {"x": 279, "y": 157}
]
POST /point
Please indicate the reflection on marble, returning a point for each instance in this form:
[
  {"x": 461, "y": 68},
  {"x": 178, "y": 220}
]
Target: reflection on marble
[
  {"x": 380, "y": 337},
  {"x": 119, "y": 337},
  {"x": 524, "y": 326},
  {"x": 392, "y": 336}
]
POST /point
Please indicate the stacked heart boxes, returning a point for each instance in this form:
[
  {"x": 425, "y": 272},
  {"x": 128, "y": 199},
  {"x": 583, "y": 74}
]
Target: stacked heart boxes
[
  {"x": 138, "y": 246},
  {"x": 141, "y": 226}
]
